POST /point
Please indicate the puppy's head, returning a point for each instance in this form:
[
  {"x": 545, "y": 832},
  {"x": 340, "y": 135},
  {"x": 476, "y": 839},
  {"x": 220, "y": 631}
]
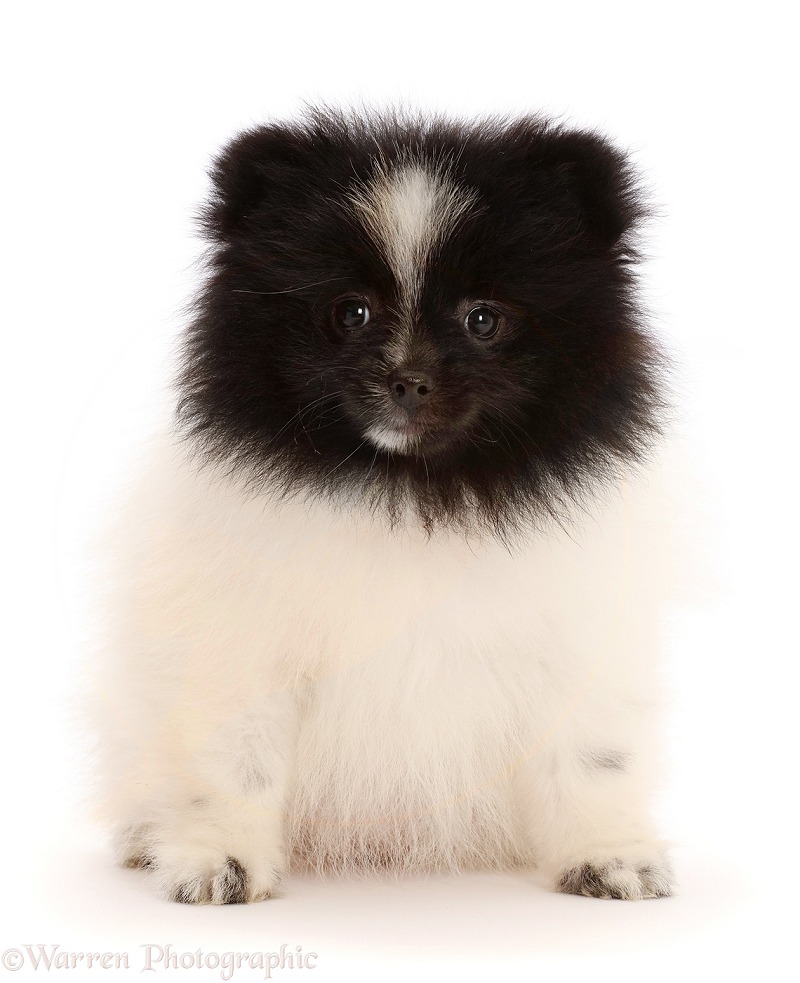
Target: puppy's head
[{"x": 422, "y": 312}]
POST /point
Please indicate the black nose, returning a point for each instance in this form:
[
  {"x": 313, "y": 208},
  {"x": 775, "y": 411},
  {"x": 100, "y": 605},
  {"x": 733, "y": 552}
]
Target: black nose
[{"x": 410, "y": 388}]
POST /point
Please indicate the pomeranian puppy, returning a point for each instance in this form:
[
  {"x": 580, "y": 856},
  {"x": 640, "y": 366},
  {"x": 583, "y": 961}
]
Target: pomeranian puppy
[{"x": 389, "y": 596}]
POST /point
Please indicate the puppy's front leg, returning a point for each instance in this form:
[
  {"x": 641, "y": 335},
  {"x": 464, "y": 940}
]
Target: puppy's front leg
[
  {"x": 216, "y": 835},
  {"x": 585, "y": 795}
]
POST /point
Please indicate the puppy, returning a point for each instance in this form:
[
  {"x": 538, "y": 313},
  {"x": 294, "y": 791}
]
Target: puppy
[{"x": 389, "y": 596}]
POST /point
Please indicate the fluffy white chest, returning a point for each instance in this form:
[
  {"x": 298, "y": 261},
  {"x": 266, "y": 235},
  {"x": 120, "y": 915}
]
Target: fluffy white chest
[{"x": 411, "y": 732}]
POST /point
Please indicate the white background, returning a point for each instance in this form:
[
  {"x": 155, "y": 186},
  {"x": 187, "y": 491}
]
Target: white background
[{"x": 111, "y": 113}]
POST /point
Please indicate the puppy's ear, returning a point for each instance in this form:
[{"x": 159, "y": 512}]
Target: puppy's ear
[
  {"x": 258, "y": 167},
  {"x": 572, "y": 187},
  {"x": 595, "y": 185}
]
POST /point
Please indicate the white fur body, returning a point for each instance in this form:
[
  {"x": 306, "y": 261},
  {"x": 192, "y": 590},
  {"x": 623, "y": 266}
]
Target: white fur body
[{"x": 294, "y": 683}]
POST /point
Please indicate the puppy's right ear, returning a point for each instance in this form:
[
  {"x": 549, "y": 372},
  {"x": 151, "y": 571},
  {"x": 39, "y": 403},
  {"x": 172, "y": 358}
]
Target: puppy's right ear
[{"x": 257, "y": 167}]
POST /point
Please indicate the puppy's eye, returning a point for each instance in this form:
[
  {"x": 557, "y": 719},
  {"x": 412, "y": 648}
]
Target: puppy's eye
[
  {"x": 351, "y": 314},
  {"x": 482, "y": 322}
]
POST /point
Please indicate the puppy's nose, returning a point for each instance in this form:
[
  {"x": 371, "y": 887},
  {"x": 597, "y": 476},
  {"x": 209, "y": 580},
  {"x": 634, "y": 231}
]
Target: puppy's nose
[{"x": 410, "y": 388}]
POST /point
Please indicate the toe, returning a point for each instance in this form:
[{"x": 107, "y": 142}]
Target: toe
[{"x": 229, "y": 885}]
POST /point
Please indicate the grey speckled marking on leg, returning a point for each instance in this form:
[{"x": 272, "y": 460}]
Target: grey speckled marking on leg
[
  {"x": 604, "y": 760},
  {"x": 254, "y": 781},
  {"x": 140, "y": 861}
]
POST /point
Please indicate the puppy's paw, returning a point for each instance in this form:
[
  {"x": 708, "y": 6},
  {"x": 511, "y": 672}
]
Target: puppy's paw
[
  {"x": 208, "y": 876},
  {"x": 615, "y": 878}
]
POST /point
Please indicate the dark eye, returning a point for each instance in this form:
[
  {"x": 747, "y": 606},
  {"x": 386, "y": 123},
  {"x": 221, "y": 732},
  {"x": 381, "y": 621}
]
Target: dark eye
[
  {"x": 351, "y": 314},
  {"x": 482, "y": 322}
]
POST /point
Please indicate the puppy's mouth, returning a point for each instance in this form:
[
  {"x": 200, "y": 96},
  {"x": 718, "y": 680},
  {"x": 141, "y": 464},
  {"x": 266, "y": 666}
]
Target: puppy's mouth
[
  {"x": 414, "y": 436},
  {"x": 417, "y": 431}
]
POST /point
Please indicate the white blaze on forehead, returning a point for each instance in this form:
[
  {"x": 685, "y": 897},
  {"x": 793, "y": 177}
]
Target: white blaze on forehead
[{"x": 408, "y": 209}]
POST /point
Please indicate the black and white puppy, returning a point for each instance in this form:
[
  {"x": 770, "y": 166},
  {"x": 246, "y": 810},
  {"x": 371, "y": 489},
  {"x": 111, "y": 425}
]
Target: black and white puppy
[{"x": 390, "y": 597}]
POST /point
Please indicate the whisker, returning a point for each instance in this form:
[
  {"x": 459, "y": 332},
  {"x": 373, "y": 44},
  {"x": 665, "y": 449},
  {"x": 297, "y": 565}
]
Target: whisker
[
  {"x": 521, "y": 430},
  {"x": 372, "y": 465},
  {"x": 290, "y": 290},
  {"x": 330, "y": 423},
  {"x": 515, "y": 427},
  {"x": 344, "y": 460},
  {"x": 303, "y": 409}
]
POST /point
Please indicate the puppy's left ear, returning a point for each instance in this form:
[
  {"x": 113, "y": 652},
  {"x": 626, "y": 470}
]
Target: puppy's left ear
[{"x": 594, "y": 185}]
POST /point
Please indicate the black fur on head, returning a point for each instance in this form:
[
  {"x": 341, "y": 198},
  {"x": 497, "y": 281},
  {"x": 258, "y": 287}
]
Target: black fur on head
[{"x": 421, "y": 312}]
